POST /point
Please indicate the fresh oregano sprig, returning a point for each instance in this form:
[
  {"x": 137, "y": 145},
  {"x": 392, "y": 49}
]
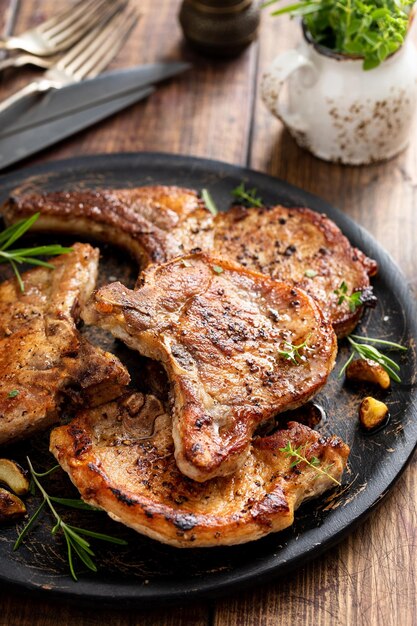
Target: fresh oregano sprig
[
  {"x": 25, "y": 255},
  {"x": 366, "y": 350},
  {"x": 74, "y": 536},
  {"x": 299, "y": 456},
  {"x": 369, "y": 29},
  {"x": 247, "y": 197}
]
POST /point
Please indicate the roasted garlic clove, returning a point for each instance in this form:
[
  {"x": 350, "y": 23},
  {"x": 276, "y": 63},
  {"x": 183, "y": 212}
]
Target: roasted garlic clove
[
  {"x": 368, "y": 371},
  {"x": 12, "y": 475},
  {"x": 11, "y": 507},
  {"x": 372, "y": 413}
]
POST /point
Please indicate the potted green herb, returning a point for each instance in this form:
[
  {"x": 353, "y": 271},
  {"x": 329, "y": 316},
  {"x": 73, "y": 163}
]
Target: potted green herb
[{"x": 352, "y": 80}]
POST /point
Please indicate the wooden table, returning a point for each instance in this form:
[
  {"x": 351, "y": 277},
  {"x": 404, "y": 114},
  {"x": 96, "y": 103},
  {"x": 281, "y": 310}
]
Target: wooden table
[{"x": 215, "y": 111}]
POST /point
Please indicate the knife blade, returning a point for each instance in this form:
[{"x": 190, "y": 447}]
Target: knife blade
[
  {"x": 30, "y": 140},
  {"x": 77, "y": 96}
]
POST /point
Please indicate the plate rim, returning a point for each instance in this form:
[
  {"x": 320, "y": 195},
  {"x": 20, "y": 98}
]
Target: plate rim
[{"x": 140, "y": 594}]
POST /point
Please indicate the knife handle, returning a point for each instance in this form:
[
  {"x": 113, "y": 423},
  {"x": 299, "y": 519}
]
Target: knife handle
[{"x": 14, "y": 105}]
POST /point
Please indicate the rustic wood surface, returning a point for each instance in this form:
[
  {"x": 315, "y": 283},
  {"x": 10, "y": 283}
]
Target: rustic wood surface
[{"x": 215, "y": 111}]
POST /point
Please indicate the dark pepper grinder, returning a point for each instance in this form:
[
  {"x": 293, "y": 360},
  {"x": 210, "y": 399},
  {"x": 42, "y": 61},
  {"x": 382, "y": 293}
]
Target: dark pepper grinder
[{"x": 221, "y": 28}]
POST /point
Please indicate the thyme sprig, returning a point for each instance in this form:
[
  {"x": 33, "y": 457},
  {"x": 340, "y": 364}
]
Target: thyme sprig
[
  {"x": 293, "y": 353},
  {"x": 299, "y": 455},
  {"x": 366, "y": 350},
  {"x": 354, "y": 300},
  {"x": 25, "y": 255},
  {"x": 74, "y": 536},
  {"x": 247, "y": 197},
  {"x": 209, "y": 202}
]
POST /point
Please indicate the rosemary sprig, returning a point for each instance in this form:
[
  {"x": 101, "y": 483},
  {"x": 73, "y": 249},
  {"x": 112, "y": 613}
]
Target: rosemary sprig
[
  {"x": 73, "y": 535},
  {"x": 209, "y": 202},
  {"x": 293, "y": 353},
  {"x": 247, "y": 197},
  {"x": 25, "y": 255},
  {"x": 367, "y": 351},
  {"x": 354, "y": 300},
  {"x": 299, "y": 454}
]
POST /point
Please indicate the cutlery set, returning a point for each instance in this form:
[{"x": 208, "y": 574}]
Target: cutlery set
[{"x": 73, "y": 47}]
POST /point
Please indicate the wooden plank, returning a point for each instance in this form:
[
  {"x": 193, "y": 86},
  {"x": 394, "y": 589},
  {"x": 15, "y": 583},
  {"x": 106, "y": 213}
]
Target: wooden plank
[
  {"x": 371, "y": 577},
  {"x": 21, "y": 610},
  {"x": 205, "y": 112}
]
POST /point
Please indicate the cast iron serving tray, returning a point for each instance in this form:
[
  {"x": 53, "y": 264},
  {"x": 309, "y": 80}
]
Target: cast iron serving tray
[{"x": 145, "y": 571}]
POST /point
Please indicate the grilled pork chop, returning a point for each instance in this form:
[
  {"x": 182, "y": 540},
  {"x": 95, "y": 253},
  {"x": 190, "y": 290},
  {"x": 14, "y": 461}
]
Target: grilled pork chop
[
  {"x": 153, "y": 223},
  {"x": 159, "y": 223},
  {"x": 237, "y": 346},
  {"x": 42, "y": 354},
  {"x": 300, "y": 246},
  {"x": 120, "y": 457}
]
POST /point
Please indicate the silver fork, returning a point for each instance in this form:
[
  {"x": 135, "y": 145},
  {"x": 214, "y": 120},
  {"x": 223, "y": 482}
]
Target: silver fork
[
  {"x": 25, "y": 58},
  {"x": 59, "y": 32},
  {"x": 85, "y": 60}
]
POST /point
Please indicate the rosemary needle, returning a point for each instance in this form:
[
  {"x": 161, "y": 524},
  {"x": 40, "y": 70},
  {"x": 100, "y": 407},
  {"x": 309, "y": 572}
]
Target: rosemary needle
[
  {"x": 74, "y": 536},
  {"x": 370, "y": 352},
  {"x": 209, "y": 202},
  {"x": 17, "y": 256}
]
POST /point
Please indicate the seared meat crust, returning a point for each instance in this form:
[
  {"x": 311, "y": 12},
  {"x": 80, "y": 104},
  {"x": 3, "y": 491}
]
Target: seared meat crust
[
  {"x": 218, "y": 328},
  {"x": 121, "y": 458},
  {"x": 159, "y": 223},
  {"x": 42, "y": 354},
  {"x": 153, "y": 223},
  {"x": 300, "y": 246}
]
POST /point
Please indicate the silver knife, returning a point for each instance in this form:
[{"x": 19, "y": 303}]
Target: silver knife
[
  {"x": 78, "y": 96},
  {"x": 26, "y": 142}
]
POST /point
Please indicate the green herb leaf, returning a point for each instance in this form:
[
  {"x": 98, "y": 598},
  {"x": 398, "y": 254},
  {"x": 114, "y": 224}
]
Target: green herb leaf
[
  {"x": 13, "y": 393},
  {"x": 366, "y": 350},
  {"x": 74, "y": 504},
  {"x": 299, "y": 455},
  {"x": 217, "y": 269},
  {"x": 73, "y": 535},
  {"x": 354, "y": 300},
  {"x": 25, "y": 255},
  {"x": 310, "y": 273},
  {"x": 247, "y": 197},
  {"x": 370, "y": 29},
  {"x": 293, "y": 353},
  {"x": 209, "y": 202}
]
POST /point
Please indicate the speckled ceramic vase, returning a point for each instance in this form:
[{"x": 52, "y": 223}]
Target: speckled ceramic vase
[
  {"x": 337, "y": 110},
  {"x": 221, "y": 28}
]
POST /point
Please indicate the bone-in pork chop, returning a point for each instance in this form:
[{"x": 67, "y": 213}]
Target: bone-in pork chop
[
  {"x": 237, "y": 346},
  {"x": 42, "y": 354},
  {"x": 301, "y": 246},
  {"x": 153, "y": 223},
  {"x": 120, "y": 457},
  {"x": 159, "y": 223}
]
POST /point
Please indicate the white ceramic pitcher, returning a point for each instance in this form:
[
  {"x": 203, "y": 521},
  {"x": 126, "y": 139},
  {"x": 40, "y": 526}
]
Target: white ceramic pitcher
[{"x": 337, "y": 110}]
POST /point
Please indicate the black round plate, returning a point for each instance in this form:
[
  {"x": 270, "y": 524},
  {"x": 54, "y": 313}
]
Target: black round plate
[{"x": 148, "y": 572}]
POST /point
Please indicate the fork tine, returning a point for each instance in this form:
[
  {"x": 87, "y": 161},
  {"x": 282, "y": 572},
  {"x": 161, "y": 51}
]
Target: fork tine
[
  {"x": 102, "y": 59},
  {"x": 97, "y": 45},
  {"x": 70, "y": 58},
  {"x": 77, "y": 19},
  {"x": 56, "y": 19},
  {"x": 100, "y": 11}
]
